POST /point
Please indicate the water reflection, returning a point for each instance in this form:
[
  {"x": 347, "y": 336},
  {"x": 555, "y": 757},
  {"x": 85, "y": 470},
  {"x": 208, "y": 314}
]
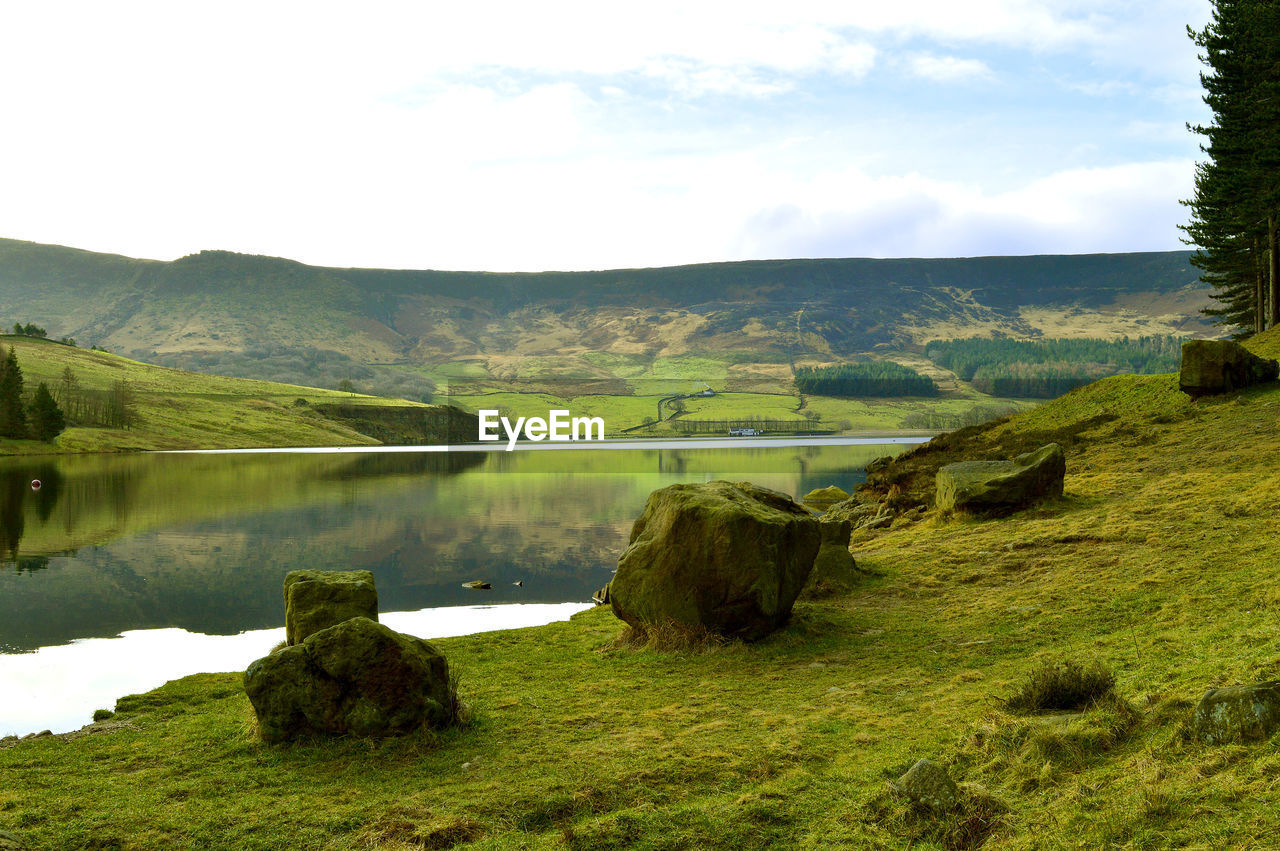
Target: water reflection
[{"x": 202, "y": 543}]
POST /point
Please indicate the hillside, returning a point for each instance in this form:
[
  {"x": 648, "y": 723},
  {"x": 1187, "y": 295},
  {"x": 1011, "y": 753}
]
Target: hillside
[
  {"x": 185, "y": 410},
  {"x": 270, "y": 317},
  {"x": 1157, "y": 562}
]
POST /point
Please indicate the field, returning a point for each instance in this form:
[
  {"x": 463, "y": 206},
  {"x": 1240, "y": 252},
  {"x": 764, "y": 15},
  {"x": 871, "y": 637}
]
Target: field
[
  {"x": 1157, "y": 562},
  {"x": 183, "y": 410},
  {"x": 625, "y": 392}
]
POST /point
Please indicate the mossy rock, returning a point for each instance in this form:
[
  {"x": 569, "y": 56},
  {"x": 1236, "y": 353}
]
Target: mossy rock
[
  {"x": 834, "y": 558},
  {"x": 318, "y": 599},
  {"x": 1221, "y": 366},
  {"x": 356, "y": 678},
  {"x": 718, "y": 556},
  {"x": 1002, "y": 486},
  {"x": 927, "y": 785},
  {"x": 823, "y": 498},
  {"x": 1236, "y": 714}
]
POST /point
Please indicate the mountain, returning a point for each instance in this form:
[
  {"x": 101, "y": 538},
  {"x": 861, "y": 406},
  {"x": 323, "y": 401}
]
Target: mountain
[{"x": 235, "y": 313}]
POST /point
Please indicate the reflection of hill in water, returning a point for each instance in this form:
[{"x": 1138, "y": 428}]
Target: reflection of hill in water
[
  {"x": 205, "y": 545},
  {"x": 94, "y": 499}
]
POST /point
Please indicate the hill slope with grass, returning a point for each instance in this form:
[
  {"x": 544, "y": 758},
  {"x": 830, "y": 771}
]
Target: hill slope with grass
[
  {"x": 215, "y": 309},
  {"x": 174, "y": 409},
  {"x": 1149, "y": 582}
]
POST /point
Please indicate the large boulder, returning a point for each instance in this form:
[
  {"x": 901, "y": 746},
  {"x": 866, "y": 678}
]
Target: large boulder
[
  {"x": 318, "y": 599},
  {"x": 1239, "y": 713},
  {"x": 356, "y": 678},
  {"x": 1000, "y": 486},
  {"x": 1220, "y": 366},
  {"x": 729, "y": 558}
]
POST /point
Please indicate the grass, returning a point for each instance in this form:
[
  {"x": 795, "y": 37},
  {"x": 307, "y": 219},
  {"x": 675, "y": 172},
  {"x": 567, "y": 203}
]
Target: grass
[
  {"x": 184, "y": 410},
  {"x": 1158, "y": 561}
]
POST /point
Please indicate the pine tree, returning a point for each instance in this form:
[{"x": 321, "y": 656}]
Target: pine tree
[
  {"x": 13, "y": 418},
  {"x": 1235, "y": 214},
  {"x": 46, "y": 418}
]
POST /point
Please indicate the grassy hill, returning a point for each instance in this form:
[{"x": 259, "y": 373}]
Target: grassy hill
[
  {"x": 185, "y": 410},
  {"x": 276, "y": 318},
  {"x": 1157, "y": 562}
]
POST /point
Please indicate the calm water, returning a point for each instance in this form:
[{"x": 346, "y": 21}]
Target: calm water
[{"x": 122, "y": 572}]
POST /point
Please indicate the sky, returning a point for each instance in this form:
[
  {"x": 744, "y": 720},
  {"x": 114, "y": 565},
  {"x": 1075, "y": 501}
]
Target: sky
[{"x": 562, "y": 135}]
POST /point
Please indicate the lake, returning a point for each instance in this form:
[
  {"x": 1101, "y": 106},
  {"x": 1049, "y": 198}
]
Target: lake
[{"x": 124, "y": 571}]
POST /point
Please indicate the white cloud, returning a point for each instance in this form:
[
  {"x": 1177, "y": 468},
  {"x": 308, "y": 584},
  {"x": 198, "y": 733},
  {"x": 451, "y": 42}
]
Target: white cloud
[
  {"x": 948, "y": 69},
  {"x": 1130, "y": 207},
  {"x": 564, "y": 134}
]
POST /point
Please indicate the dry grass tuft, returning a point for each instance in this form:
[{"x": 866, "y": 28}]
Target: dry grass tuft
[
  {"x": 669, "y": 637},
  {"x": 1064, "y": 685}
]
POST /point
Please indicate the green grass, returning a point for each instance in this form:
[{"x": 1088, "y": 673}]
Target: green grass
[
  {"x": 1158, "y": 562},
  {"x": 184, "y": 410}
]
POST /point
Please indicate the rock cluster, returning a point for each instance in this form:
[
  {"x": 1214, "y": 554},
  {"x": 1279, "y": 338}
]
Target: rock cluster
[
  {"x": 342, "y": 673},
  {"x": 1220, "y": 366},
  {"x": 1001, "y": 486},
  {"x": 724, "y": 557}
]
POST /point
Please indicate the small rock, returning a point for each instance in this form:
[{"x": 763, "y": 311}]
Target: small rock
[
  {"x": 823, "y": 498},
  {"x": 466, "y": 766},
  {"x": 999, "y": 486},
  {"x": 519, "y": 583},
  {"x": 1239, "y": 713},
  {"x": 318, "y": 599},
  {"x": 833, "y": 557},
  {"x": 929, "y": 786}
]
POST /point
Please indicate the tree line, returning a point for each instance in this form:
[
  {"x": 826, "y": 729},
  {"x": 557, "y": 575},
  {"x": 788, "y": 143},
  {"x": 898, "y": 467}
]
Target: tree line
[
  {"x": 1235, "y": 208},
  {"x": 1142, "y": 356},
  {"x": 112, "y": 407},
  {"x": 37, "y": 418},
  {"x": 874, "y": 378}
]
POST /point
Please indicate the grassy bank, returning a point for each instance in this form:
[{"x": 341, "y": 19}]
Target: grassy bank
[
  {"x": 185, "y": 410},
  {"x": 1158, "y": 562}
]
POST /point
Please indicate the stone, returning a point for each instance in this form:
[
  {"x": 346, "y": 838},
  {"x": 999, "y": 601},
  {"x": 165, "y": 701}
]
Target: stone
[
  {"x": 728, "y": 558},
  {"x": 1238, "y": 713},
  {"x": 823, "y": 498},
  {"x": 833, "y": 557},
  {"x": 318, "y": 599},
  {"x": 853, "y": 510},
  {"x": 1220, "y": 366},
  {"x": 356, "y": 678},
  {"x": 1000, "y": 486},
  {"x": 928, "y": 785}
]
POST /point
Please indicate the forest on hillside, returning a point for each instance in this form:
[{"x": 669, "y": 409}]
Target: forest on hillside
[
  {"x": 1045, "y": 369},
  {"x": 875, "y": 378}
]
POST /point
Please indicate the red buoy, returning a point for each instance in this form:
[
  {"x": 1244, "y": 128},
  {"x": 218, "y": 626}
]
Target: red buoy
[{"x": 35, "y": 484}]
